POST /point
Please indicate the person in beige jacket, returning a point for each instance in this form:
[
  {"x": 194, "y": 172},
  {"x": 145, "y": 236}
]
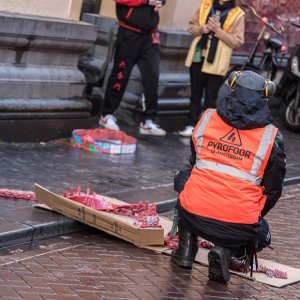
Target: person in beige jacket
[{"x": 218, "y": 28}]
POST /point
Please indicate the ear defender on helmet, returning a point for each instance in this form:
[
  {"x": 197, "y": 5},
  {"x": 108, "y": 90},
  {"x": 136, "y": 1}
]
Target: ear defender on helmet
[
  {"x": 232, "y": 78},
  {"x": 252, "y": 81},
  {"x": 270, "y": 88}
]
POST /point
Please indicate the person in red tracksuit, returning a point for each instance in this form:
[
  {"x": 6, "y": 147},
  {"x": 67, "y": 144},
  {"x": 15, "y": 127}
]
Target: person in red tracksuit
[{"x": 137, "y": 44}]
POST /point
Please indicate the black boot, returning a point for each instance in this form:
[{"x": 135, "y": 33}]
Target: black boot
[
  {"x": 187, "y": 249},
  {"x": 218, "y": 264}
]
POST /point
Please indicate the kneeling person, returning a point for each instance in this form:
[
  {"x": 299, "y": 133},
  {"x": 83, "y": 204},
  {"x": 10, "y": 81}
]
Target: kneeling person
[{"x": 237, "y": 170}]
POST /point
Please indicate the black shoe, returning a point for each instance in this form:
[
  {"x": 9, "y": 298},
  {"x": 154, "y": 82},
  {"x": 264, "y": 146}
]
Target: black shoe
[
  {"x": 186, "y": 252},
  {"x": 218, "y": 264}
]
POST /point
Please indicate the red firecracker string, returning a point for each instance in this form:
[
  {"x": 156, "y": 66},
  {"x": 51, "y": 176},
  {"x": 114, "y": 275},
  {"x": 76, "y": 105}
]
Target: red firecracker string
[
  {"x": 144, "y": 214},
  {"x": 173, "y": 243},
  {"x": 272, "y": 272},
  {"x": 16, "y": 194}
]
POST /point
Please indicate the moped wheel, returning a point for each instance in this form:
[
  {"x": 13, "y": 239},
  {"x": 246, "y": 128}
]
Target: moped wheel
[{"x": 292, "y": 116}]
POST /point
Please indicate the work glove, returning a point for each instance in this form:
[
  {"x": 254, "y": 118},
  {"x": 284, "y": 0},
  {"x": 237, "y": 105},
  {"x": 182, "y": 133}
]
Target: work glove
[{"x": 181, "y": 178}]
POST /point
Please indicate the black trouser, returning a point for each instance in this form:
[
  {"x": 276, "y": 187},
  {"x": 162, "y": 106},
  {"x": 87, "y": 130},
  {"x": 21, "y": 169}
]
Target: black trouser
[
  {"x": 199, "y": 81},
  {"x": 225, "y": 234},
  {"x": 134, "y": 48}
]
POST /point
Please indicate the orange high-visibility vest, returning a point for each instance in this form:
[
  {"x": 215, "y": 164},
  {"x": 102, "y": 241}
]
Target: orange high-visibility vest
[{"x": 225, "y": 183}]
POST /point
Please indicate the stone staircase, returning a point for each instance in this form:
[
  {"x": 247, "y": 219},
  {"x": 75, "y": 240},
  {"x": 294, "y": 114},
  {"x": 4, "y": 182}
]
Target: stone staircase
[{"x": 42, "y": 90}]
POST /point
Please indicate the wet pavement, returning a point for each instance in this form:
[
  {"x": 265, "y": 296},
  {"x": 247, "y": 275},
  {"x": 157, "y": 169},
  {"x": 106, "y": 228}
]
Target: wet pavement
[
  {"x": 57, "y": 167},
  {"x": 116, "y": 270},
  {"x": 145, "y": 175}
]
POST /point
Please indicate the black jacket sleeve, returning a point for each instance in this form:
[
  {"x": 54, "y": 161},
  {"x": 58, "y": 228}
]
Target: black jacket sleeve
[
  {"x": 274, "y": 174},
  {"x": 183, "y": 175},
  {"x": 193, "y": 154}
]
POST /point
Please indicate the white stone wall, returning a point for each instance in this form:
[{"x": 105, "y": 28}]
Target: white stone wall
[
  {"x": 175, "y": 14},
  {"x": 65, "y": 9}
]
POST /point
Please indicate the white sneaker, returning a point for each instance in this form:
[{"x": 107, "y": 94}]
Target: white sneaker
[
  {"x": 150, "y": 128},
  {"x": 109, "y": 122},
  {"x": 187, "y": 132}
]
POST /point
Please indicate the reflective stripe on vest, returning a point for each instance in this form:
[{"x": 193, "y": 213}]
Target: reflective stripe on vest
[
  {"x": 262, "y": 149},
  {"x": 232, "y": 171},
  {"x": 199, "y": 133}
]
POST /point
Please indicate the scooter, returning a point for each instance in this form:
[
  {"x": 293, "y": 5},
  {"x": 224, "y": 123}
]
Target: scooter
[{"x": 288, "y": 89}]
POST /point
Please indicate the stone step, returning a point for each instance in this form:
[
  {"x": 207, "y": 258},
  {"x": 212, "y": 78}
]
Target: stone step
[
  {"x": 47, "y": 105},
  {"x": 41, "y": 90},
  {"x": 135, "y": 102},
  {"x": 170, "y": 85}
]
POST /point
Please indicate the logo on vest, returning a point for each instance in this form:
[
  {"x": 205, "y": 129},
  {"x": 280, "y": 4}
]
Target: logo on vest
[
  {"x": 229, "y": 146},
  {"x": 232, "y": 137}
]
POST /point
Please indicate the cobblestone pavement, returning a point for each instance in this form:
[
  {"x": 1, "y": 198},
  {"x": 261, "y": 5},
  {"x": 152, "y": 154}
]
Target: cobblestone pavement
[
  {"x": 291, "y": 143},
  {"x": 93, "y": 265}
]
